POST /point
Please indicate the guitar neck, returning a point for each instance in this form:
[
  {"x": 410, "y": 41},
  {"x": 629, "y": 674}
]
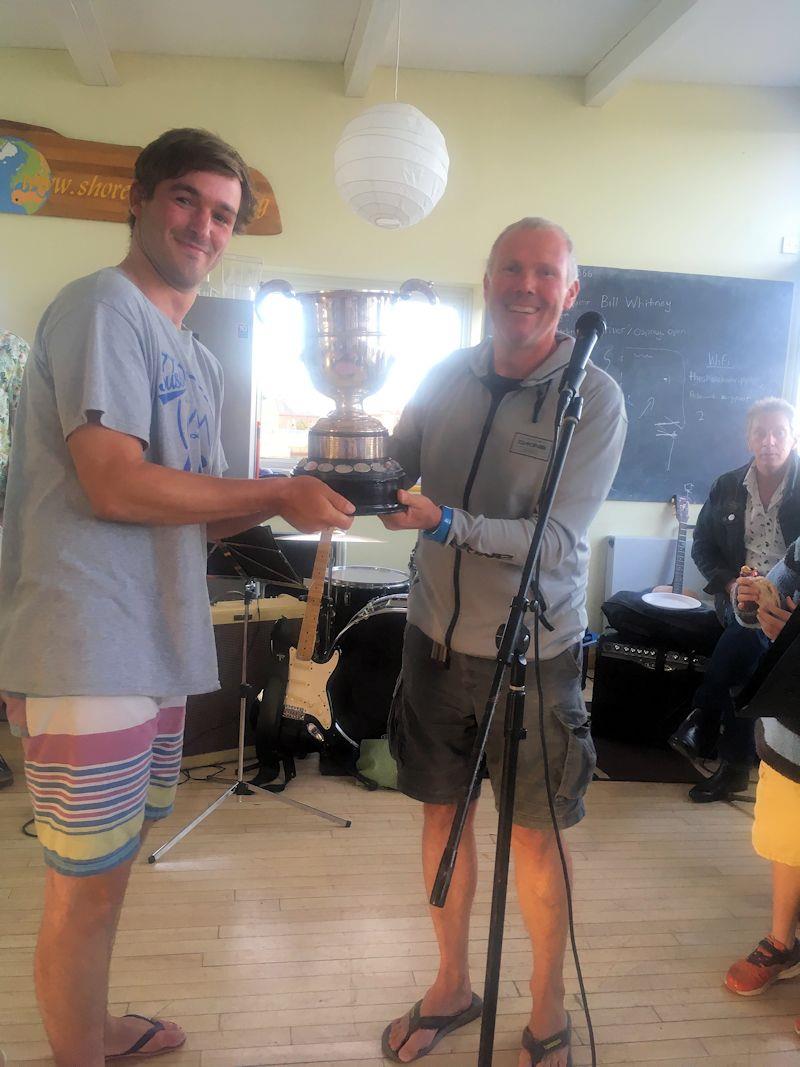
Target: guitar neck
[
  {"x": 308, "y": 631},
  {"x": 680, "y": 559}
]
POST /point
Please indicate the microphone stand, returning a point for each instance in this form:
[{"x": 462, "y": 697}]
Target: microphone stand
[{"x": 513, "y": 639}]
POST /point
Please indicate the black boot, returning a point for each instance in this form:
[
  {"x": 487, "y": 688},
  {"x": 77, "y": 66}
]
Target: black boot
[
  {"x": 729, "y": 778},
  {"x": 696, "y": 737},
  {"x": 6, "y": 775}
]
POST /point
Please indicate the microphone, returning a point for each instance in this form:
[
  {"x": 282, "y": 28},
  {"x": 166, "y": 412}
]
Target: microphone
[{"x": 588, "y": 329}]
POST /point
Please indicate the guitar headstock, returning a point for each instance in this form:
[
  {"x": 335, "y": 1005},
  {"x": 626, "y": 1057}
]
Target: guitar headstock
[{"x": 681, "y": 506}]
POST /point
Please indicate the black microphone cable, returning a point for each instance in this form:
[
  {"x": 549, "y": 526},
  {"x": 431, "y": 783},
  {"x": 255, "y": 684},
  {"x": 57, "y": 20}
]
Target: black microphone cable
[
  {"x": 559, "y": 843},
  {"x": 547, "y": 781}
]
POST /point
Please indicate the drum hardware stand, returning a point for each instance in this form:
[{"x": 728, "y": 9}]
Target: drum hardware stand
[
  {"x": 513, "y": 639},
  {"x": 238, "y": 786}
]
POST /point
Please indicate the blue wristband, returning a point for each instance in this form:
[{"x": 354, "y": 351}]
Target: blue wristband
[{"x": 439, "y": 533}]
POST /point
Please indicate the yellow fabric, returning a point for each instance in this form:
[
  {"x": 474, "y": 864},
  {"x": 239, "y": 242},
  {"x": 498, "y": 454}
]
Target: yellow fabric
[
  {"x": 776, "y": 830},
  {"x": 70, "y": 846},
  {"x": 160, "y": 799}
]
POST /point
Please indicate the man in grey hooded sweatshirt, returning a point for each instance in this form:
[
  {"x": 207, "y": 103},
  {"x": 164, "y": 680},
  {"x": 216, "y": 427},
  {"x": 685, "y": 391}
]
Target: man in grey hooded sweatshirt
[{"x": 479, "y": 431}]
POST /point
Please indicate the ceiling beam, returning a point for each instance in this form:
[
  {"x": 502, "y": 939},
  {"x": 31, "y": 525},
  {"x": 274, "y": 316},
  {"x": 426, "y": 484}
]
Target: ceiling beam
[
  {"x": 84, "y": 40},
  {"x": 372, "y": 25},
  {"x": 622, "y": 64}
]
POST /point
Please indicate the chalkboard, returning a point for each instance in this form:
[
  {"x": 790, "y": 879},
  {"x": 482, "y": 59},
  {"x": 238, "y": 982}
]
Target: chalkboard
[{"x": 691, "y": 353}]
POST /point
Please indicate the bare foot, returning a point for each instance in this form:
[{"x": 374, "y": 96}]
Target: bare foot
[
  {"x": 122, "y": 1033},
  {"x": 434, "y": 1002},
  {"x": 545, "y": 1021}
]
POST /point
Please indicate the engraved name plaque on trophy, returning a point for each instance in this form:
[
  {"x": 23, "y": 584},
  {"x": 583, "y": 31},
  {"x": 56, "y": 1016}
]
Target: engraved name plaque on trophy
[{"x": 347, "y": 355}]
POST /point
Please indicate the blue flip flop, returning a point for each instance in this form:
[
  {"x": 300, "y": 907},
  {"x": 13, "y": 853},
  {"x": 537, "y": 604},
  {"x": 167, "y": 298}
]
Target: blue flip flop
[{"x": 443, "y": 1024}]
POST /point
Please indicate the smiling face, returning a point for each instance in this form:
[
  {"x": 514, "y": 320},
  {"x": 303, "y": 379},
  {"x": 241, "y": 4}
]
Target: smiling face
[
  {"x": 771, "y": 439},
  {"x": 526, "y": 289},
  {"x": 185, "y": 226}
]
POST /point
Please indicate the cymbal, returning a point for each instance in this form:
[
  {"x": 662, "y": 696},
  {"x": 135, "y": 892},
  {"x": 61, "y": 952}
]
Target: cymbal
[{"x": 338, "y": 535}]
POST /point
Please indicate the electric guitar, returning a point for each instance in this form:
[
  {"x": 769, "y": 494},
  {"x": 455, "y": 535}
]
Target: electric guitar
[
  {"x": 306, "y": 697},
  {"x": 681, "y": 506}
]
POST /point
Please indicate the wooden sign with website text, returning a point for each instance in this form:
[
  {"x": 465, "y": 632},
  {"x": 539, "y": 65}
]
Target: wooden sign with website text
[{"x": 43, "y": 173}]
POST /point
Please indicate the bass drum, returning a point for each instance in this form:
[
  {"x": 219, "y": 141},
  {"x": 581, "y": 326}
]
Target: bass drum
[
  {"x": 363, "y": 681},
  {"x": 352, "y": 588}
]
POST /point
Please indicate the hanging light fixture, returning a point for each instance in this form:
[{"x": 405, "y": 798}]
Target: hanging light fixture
[{"x": 391, "y": 162}]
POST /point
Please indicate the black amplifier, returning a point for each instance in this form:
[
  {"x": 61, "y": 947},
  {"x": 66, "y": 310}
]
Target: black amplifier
[
  {"x": 642, "y": 691},
  {"x": 651, "y": 657}
]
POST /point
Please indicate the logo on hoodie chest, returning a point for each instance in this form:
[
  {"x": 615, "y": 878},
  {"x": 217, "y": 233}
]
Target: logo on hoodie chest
[{"x": 525, "y": 444}]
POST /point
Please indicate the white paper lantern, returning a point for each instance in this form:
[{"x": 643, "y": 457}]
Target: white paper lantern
[{"x": 390, "y": 165}]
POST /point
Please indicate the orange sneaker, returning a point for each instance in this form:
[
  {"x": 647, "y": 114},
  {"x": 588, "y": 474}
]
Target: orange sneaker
[{"x": 769, "y": 962}]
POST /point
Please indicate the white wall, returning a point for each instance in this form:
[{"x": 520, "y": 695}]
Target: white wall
[{"x": 664, "y": 177}]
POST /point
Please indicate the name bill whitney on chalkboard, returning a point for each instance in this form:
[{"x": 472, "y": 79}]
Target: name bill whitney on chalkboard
[{"x": 635, "y": 303}]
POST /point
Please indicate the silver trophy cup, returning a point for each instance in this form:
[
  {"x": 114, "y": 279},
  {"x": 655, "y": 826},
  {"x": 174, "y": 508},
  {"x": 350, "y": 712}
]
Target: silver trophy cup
[{"x": 345, "y": 351}]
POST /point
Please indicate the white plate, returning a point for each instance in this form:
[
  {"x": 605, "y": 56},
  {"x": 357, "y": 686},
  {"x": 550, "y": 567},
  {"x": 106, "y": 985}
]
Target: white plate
[{"x": 672, "y": 601}]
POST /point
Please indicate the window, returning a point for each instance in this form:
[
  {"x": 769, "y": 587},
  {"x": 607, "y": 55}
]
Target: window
[{"x": 421, "y": 334}]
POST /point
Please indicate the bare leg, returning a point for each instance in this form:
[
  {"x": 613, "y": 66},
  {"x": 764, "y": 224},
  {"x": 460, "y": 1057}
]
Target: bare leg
[
  {"x": 451, "y": 991},
  {"x": 543, "y": 902},
  {"x": 71, "y": 966},
  {"x": 122, "y": 1032},
  {"x": 785, "y": 902},
  {"x": 72, "y": 960}
]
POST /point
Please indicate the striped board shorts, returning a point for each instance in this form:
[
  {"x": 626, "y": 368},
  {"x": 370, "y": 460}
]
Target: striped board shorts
[{"x": 96, "y": 767}]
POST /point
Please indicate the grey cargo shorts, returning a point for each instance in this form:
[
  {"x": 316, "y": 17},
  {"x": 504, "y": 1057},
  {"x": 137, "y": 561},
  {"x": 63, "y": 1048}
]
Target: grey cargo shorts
[{"x": 434, "y": 719}]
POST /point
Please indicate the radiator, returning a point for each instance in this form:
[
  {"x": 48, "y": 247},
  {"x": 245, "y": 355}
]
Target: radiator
[{"x": 639, "y": 563}]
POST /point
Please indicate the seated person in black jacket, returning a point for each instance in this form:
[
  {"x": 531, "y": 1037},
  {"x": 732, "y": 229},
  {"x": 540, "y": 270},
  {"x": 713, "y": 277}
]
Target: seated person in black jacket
[{"x": 752, "y": 514}]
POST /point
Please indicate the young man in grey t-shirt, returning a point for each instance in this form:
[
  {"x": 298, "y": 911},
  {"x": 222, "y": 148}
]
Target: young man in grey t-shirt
[{"x": 114, "y": 489}]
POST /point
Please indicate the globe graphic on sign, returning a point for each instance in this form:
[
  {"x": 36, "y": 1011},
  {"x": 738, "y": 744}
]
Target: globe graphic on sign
[{"x": 25, "y": 178}]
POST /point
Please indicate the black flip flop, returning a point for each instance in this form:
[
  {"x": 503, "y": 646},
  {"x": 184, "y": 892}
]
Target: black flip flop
[
  {"x": 135, "y": 1051},
  {"x": 538, "y": 1049},
  {"x": 443, "y": 1024}
]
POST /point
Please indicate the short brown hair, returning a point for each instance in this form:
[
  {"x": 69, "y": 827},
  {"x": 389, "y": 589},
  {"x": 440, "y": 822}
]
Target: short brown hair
[{"x": 177, "y": 152}]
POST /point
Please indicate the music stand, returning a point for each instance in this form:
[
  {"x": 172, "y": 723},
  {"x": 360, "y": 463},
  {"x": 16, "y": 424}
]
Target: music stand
[
  {"x": 254, "y": 557},
  {"x": 258, "y": 547}
]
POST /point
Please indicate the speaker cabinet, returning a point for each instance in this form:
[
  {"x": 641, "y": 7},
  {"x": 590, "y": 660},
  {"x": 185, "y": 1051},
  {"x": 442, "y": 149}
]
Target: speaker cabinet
[
  {"x": 642, "y": 692},
  {"x": 212, "y": 719}
]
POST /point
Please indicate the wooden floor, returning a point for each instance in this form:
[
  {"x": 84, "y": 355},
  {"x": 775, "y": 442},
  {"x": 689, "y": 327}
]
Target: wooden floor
[{"x": 275, "y": 938}]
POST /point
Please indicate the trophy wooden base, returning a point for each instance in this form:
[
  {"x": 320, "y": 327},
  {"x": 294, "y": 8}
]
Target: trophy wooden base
[{"x": 370, "y": 486}]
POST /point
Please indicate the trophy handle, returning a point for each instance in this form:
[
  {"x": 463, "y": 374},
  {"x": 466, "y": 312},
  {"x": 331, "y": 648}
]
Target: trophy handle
[
  {"x": 417, "y": 285},
  {"x": 277, "y": 285}
]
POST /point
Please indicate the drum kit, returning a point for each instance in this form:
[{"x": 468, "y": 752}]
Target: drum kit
[
  {"x": 366, "y": 621},
  {"x": 356, "y": 594},
  {"x": 358, "y": 600}
]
